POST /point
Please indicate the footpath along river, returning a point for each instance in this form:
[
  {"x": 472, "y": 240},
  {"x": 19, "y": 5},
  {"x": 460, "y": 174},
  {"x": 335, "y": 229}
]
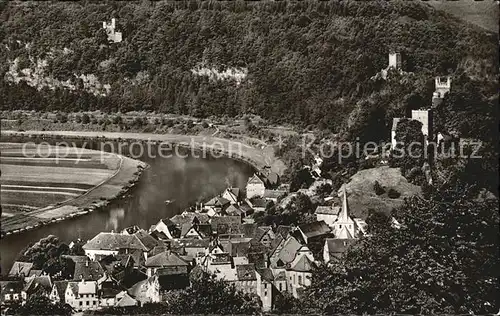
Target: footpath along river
[{"x": 182, "y": 180}]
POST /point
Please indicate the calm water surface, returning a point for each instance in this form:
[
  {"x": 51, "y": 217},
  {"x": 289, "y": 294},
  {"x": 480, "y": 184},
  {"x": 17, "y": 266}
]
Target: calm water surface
[{"x": 184, "y": 180}]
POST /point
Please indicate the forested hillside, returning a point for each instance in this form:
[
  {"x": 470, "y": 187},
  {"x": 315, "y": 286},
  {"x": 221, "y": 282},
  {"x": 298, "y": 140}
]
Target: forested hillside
[{"x": 303, "y": 63}]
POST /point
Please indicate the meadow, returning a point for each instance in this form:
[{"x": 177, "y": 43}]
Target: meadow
[{"x": 37, "y": 176}]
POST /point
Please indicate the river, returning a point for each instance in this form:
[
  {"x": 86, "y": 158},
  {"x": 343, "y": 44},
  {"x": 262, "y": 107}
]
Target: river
[{"x": 185, "y": 181}]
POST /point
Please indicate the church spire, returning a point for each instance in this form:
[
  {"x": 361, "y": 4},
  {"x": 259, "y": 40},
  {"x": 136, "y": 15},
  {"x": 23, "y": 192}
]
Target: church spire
[{"x": 344, "y": 212}]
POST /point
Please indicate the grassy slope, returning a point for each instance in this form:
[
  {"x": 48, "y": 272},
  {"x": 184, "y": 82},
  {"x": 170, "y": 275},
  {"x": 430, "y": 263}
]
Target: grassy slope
[
  {"x": 482, "y": 13},
  {"x": 363, "y": 198}
]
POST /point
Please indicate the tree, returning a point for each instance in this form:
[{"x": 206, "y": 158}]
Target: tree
[
  {"x": 41, "y": 305},
  {"x": 208, "y": 295},
  {"x": 393, "y": 194},
  {"x": 443, "y": 259},
  {"x": 46, "y": 254},
  {"x": 85, "y": 118}
]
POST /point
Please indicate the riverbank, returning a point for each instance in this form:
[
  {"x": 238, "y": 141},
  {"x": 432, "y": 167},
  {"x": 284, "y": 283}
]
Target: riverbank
[
  {"x": 104, "y": 190},
  {"x": 258, "y": 158}
]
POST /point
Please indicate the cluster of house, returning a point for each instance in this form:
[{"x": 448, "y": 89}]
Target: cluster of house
[{"x": 135, "y": 266}]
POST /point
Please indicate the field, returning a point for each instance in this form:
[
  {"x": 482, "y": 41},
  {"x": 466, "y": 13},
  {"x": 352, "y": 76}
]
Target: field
[
  {"x": 39, "y": 176},
  {"x": 42, "y": 182}
]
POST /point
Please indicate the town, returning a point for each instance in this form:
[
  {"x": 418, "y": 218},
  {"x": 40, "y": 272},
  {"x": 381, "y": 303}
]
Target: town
[
  {"x": 249, "y": 158},
  {"x": 222, "y": 237}
]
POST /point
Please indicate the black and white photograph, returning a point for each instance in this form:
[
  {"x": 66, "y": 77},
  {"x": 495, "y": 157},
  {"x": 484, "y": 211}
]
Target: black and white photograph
[{"x": 208, "y": 157}]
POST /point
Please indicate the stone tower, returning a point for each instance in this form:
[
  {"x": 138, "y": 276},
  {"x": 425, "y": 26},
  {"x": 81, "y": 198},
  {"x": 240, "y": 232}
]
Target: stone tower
[
  {"x": 395, "y": 60},
  {"x": 443, "y": 86},
  {"x": 113, "y": 36},
  {"x": 425, "y": 117}
]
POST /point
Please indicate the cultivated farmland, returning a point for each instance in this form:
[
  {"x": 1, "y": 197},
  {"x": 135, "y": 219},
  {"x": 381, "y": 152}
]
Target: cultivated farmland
[{"x": 41, "y": 182}]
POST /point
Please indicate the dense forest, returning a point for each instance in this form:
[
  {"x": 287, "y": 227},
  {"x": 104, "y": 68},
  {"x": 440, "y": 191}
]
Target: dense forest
[{"x": 305, "y": 63}]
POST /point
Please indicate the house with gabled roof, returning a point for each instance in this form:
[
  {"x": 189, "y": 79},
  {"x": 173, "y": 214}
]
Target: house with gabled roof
[
  {"x": 190, "y": 217},
  {"x": 82, "y": 295},
  {"x": 233, "y": 195},
  {"x": 123, "y": 299},
  {"x": 255, "y": 186},
  {"x": 299, "y": 271},
  {"x": 88, "y": 270},
  {"x": 20, "y": 269},
  {"x": 313, "y": 231},
  {"x": 328, "y": 214},
  {"x": 335, "y": 247},
  {"x": 226, "y": 225},
  {"x": 216, "y": 205},
  {"x": 105, "y": 244},
  {"x": 264, "y": 235},
  {"x": 166, "y": 263},
  {"x": 194, "y": 248},
  {"x": 273, "y": 195},
  {"x": 39, "y": 286},
  {"x": 198, "y": 231},
  {"x": 10, "y": 292},
  {"x": 166, "y": 227},
  {"x": 58, "y": 291},
  {"x": 234, "y": 210},
  {"x": 285, "y": 252}
]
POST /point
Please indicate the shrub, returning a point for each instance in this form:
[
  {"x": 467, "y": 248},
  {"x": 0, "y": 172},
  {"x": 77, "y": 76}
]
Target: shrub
[
  {"x": 379, "y": 190},
  {"x": 393, "y": 194}
]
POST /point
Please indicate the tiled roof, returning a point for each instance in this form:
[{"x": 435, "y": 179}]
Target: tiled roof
[
  {"x": 10, "y": 287},
  {"x": 327, "y": 210},
  {"x": 165, "y": 259},
  {"x": 34, "y": 272},
  {"x": 261, "y": 231},
  {"x": 87, "y": 287},
  {"x": 88, "y": 270},
  {"x": 204, "y": 230},
  {"x": 248, "y": 229},
  {"x": 258, "y": 202},
  {"x": 217, "y": 201},
  {"x": 61, "y": 288},
  {"x": 126, "y": 300},
  {"x": 273, "y": 194},
  {"x": 255, "y": 179},
  {"x": 283, "y": 230},
  {"x": 336, "y": 247},
  {"x": 73, "y": 287},
  {"x": 193, "y": 243},
  {"x": 234, "y": 210},
  {"x": 226, "y": 224},
  {"x": 266, "y": 274},
  {"x": 188, "y": 217},
  {"x": 236, "y": 247},
  {"x": 42, "y": 282},
  {"x": 279, "y": 274},
  {"x": 77, "y": 258},
  {"x": 19, "y": 268},
  {"x": 303, "y": 264},
  {"x": 246, "y": 272},
  {"x": 314, "y": 229},
  {"x": 289, "y": 250},
  {"x": 114, "y": 241},
  {"x": 147, "y": 240}
]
